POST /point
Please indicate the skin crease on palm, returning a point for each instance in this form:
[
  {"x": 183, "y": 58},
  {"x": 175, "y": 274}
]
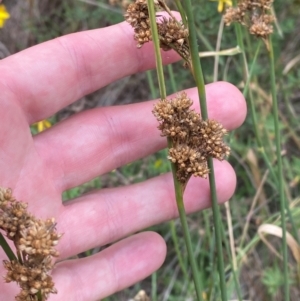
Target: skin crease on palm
[{"x": 41, "y": 80}]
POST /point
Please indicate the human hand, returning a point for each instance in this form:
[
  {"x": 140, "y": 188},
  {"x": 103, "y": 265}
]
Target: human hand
[{"x": 41, "y": 80}]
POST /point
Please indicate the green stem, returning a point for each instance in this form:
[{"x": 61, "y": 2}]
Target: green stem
[
  {"x": 248, "y": 79},
  {"x": 233, "y": 264},
  {"x": 177, "y": 250},
  {"x": 158, "y": 59},
  {"x": 279, "y": 179},
  {"x": 177, "y": 185},
  {"x": 154, "y": 287},
  {"x": 172, "y": 78},
  {"x": 187, "y": 239},
  {"x": 217, "y": 225},
  {"x": 197, "y": 70},
  {"x": 280, "y": 171},
  {"x": 39, "y": 295},
  {"x": 151, "y": 84},
  {"x": 181, "y": 11},
  {"x": 204, "y": 40},
  {"x": 199, "y": 79},
  {"x": 261, "y": 147},
  {"x": 8, "y": 251},
  {"x": 218, "y": 46}
]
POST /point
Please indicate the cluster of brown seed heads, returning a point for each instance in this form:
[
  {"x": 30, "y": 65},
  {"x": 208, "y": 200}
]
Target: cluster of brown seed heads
[
  {"x": 172, "y": 33},
  {"x": 194, "y": 140},
  {"x": 35, "y": 242},
  {"x": 255, "y": 15}
]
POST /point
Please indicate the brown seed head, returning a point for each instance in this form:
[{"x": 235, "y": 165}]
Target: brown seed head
[
  {"x": 193, "y": 139},
  {"x": 212, "y": 145},
  {"x": 5, "y": 197},
  {"x": 35, "y": 241},
  {"x": 39, "y": 238},
  {"x": 137, "y": 16},
  {"x": 256, "y": 15},
  {"x": 173, "y": 34}
]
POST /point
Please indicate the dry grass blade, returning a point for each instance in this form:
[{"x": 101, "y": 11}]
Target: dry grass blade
[
  {"x": 225, "y": 52},
  {"x": 277, "y": 231},
  {"x": 291, "y": 64}
]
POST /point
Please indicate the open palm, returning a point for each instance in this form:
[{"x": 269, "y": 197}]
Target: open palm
[{"x": 41, "y": 80}]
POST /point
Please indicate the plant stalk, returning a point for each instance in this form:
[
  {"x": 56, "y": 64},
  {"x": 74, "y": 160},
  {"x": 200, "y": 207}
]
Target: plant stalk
[
  {"x": 154, "y": 287},
  {"x": 177, "y": 249},
  {"x": 158, "y": 59},
  {"x": 280, "y": 171},
  {"x": 261, "y": 148},
  {"x": 177, "y": 185},
  {"x": 187, "y": 237},
  {"x": 199, "y": 79},
  {"x": 7, "y": 249}
]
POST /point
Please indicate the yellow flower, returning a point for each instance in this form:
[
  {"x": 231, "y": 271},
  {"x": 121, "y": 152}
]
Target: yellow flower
[
  {"x": 158, "y": 163},
  {"x": 43, "y": 125},
  {"x": 4, "y": 15},
  {"x": 222, "y": 3}
]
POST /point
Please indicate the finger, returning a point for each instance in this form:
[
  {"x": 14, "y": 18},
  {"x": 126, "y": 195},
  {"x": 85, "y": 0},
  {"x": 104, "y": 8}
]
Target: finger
[
  {"x": 101, "y": 140},
  {"x": 112, "y": 270},
  {"x": 110, "y": 214},
  {"x": 47, "y": 77}
]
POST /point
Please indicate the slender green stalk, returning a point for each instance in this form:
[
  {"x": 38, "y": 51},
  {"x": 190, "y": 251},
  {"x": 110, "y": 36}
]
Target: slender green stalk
[
  {"x": 246, "y": 91},
  {"x": 207, "y": 225},
  {"x": 181, "y": 11},
  {"x": 280, "y": 171},
  {"x": 254, "y": 118},
  {"x": 155, "y": 38},
  {"x": 213, "y": 275},
  {"x": 8, "y": 251},
  {"x": 218, "y": 46},
  {"x": 238, "y": 31},
  {"x": 217, "y": 225},
  {"x": 39, "y": 295},
  {"x": 151, "y": 84},
  {"x": 154, "y": 287},
  {"x": 204, "y": 40},
  {"x": 172, "y": 78},
  {"x": 177, "y": 250},
  {"x": 198, "y": 75},
  {"x": 231, "y": 251},
  {"x": 248, "y": 79},
  {"x": 11, "y": 256},
  {"x": 177, "y": 185},
  {"x": 196, "y": 66},
  {"x": 188, "y": 242}
]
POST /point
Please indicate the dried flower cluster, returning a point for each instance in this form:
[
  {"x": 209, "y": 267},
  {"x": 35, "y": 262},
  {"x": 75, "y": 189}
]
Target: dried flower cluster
[
  {"x": 256, "y": 15},
  {"x": 172, "y": 33},
  {"x": 137, "y": 16},
  {"x": 35, "y": 242},
  {"x": 193, "y": 139}
]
